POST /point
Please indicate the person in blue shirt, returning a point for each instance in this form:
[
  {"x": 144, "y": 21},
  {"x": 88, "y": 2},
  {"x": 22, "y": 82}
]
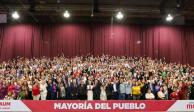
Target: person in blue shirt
[
  {"x": 128, "y": 86},
  {"x": 122, "y": 90}
]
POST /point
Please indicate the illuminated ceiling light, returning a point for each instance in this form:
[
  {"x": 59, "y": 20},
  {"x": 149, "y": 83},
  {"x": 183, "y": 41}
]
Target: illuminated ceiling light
[
  {"x": 169, "y": 17},
  {"x": 119, "y": 15},
  {"x": 92, "y": 15},
  {"x": 66, "y": 14},
  {"x": 15, "y": 15}
]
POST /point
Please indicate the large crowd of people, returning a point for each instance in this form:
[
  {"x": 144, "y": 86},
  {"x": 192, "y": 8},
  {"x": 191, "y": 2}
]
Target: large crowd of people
[{"x": 95, "y": 78}]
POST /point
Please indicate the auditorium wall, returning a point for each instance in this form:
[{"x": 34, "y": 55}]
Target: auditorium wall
[{"x": 174, "y": 43}]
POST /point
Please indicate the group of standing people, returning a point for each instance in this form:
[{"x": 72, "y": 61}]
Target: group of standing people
[{"x": 95, "y": 78}]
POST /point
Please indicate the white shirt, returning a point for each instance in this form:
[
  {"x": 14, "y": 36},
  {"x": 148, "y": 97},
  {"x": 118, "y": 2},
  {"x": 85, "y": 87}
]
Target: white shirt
[
  {"x": 161, "y": 94},
  {"x": 43, "y": 88},
  {"x": 149, "y": 96},
  {"x": 115, "y": 87}
]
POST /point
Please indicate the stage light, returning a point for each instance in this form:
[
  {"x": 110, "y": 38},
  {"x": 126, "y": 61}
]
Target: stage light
[
  {"x": 15, "y": 15},
  {"x": 92, "y": 15},
  {"x": 169, "y": 17},
  {"x": 66, "y": 14},
  {"x": 119, "y": 15}
]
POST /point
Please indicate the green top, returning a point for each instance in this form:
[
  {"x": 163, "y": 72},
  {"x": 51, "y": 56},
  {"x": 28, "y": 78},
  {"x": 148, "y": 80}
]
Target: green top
[
  {"x": 163, "y": 74},
  {"x": 22, "y": 95}
]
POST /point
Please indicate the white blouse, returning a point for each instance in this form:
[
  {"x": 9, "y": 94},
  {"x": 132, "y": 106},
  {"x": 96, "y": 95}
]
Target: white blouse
[
  {"x": 161, "y": 95},
  {"x": 149, "y": 96}
]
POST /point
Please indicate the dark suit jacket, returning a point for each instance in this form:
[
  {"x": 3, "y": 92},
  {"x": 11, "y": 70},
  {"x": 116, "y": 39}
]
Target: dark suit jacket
[
  {"x": 117, "y": 87},
  {"x": 82, "y": 90}
]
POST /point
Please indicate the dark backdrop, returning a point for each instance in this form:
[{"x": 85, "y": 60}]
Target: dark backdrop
[{"x": 175, "y": 43}]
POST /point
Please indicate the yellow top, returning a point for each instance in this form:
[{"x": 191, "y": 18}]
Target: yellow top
[{"x": 136, "y": 90}]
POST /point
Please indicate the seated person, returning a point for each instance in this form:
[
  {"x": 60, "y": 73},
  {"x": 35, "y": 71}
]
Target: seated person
[
  {"x": 161, "y": 94},
  {"x": 175, "y": 94},
  {"x": 149, "y": 95}
]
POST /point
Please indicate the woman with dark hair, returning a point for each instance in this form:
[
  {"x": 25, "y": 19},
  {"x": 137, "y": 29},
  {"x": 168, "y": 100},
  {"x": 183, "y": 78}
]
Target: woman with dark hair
[
  {"x": 3, "y": 90},
  {"x": 136, "y": 91},
  {"x": 11, "y": 87},
  {"x": 23, "y": 93},
  {"x": 175, "y": 94},
  {"x": 54, "y": 91},
  {"x": 43, "y": 90},
  {"x": 36, "y": 91},
  {"x": 103, "y": 95},
  {"x": 16, "y": 89},
  {"x": 160, "y": 94},
  {"x": 90, "y": 91},
  {"x": 62, "y": 91}
]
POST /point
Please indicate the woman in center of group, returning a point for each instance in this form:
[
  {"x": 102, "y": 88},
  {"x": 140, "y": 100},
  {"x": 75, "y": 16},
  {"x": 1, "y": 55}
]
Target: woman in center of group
[
  {"x": 90, "y": 91},
  {"x": 103, "y": 95}
]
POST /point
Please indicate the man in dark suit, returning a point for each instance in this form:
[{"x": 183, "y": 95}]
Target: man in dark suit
[
  {"x": 109, "y": 89},
  {"x": 82, "y": 95},
  {"x": 74, "y": 90},
  {"x": 49, "y": 89},
  {"x": 96, "y": 90},
  {"x": 68, "y": 89},
  {"x": 115, "y": 91}
]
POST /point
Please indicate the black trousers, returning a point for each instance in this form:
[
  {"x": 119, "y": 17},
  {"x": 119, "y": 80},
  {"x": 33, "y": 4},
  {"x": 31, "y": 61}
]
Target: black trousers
[
  {"x": 128, "y": 97},
  {"x": 74, "y": 97},
  {"x": 68, "y": 96},
  {"x": 48, "y": 97},
  {"x": 115, "y": 95},
  {"x": 29, "y": 97},
  {"x": 96, "y": 95},
  {"x": 82, "y": 97}
]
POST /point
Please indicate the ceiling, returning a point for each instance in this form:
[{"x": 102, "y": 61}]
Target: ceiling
[{"x": 136, "y": 11}]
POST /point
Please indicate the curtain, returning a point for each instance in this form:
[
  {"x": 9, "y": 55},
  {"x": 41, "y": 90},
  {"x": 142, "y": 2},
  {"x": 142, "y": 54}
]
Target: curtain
[{"x": 172, "y": 43}]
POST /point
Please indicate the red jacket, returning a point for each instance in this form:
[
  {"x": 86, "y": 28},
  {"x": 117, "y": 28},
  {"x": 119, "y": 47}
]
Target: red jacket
[
  {"x": 174, "y": 96},
  {"x": 11, "y": 88},
  {"x": 183, "y": 92},
  {"x": 35, "y": 90}
]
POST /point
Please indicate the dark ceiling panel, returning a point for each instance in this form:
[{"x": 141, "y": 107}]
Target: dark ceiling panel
[
  {"x": 142, "y": 9},
  {"x": 143, "y": 3}
]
